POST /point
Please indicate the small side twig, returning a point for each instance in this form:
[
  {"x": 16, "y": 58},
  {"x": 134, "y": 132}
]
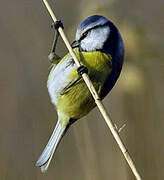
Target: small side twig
[
  {"x": 119, "y": 129},
  {"x": 97, "y": 99}
]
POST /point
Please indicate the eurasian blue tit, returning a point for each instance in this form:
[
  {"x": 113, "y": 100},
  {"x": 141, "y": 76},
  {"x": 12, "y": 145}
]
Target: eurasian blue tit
[{"x": 99, "y": 47}]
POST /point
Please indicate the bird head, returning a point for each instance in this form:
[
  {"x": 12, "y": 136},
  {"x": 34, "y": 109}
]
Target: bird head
[{"x": 97, "y": 33}]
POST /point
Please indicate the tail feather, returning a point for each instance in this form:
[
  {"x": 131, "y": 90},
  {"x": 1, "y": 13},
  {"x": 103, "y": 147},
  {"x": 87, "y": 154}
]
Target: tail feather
[{"x": 45, "y": 158}]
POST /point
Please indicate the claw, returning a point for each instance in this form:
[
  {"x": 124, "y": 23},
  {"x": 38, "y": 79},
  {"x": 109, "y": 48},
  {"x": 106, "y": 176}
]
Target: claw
[
  {"x": 81, "y": 70},
  {"x": 57, "y": 24}
]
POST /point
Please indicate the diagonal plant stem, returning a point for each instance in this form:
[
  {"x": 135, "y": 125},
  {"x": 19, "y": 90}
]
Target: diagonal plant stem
[{"x": 98, "y": 102}]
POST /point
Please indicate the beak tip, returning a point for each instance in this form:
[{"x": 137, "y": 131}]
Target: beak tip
[{"x": 75, "y": 44}]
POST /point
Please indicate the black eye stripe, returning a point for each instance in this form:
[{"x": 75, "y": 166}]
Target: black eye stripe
[{"x": 86, "y": 32}]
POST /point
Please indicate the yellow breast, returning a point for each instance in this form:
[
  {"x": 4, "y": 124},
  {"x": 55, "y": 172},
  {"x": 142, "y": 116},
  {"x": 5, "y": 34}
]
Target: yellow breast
[{"x": 78, "y": 101}]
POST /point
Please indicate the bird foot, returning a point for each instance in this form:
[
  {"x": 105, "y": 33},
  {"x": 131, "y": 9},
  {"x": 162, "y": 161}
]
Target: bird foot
[
  {"x": 81, "y": 70},
  {"x": 57, "y": 24}
]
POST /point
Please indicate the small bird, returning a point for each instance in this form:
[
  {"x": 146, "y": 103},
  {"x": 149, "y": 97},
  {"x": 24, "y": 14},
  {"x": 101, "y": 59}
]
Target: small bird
[{"x": 99, "y": 47}]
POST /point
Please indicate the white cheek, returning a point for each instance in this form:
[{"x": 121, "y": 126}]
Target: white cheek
[
  {"x": 95, "y": 39},
  {"x": 90, "y": 43}
]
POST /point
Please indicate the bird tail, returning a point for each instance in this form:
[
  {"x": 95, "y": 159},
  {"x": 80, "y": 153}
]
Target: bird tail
[{"x": 46, "y": 156}]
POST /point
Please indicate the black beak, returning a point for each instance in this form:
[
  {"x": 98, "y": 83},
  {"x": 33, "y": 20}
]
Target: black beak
[{"x": 75, "y": 44}]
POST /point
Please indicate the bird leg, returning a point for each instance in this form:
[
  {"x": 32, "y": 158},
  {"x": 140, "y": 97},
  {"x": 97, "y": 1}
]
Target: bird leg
[{"x": 53, "y": 56}]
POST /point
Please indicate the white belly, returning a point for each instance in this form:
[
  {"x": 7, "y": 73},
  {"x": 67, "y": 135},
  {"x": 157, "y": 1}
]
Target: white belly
[{"x": 59, "y": 78}]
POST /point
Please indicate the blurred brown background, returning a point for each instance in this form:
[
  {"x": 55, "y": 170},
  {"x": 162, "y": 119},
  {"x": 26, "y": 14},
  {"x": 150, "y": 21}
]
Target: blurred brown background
[{"x": 88, "y": 151}]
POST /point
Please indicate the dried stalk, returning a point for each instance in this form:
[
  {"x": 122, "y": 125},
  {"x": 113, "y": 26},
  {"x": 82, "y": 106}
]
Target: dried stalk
[{"x": 98, "y": 102}]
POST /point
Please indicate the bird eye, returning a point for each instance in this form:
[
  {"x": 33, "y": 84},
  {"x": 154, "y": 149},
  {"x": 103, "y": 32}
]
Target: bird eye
[{"x": 85, "y": 34}]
